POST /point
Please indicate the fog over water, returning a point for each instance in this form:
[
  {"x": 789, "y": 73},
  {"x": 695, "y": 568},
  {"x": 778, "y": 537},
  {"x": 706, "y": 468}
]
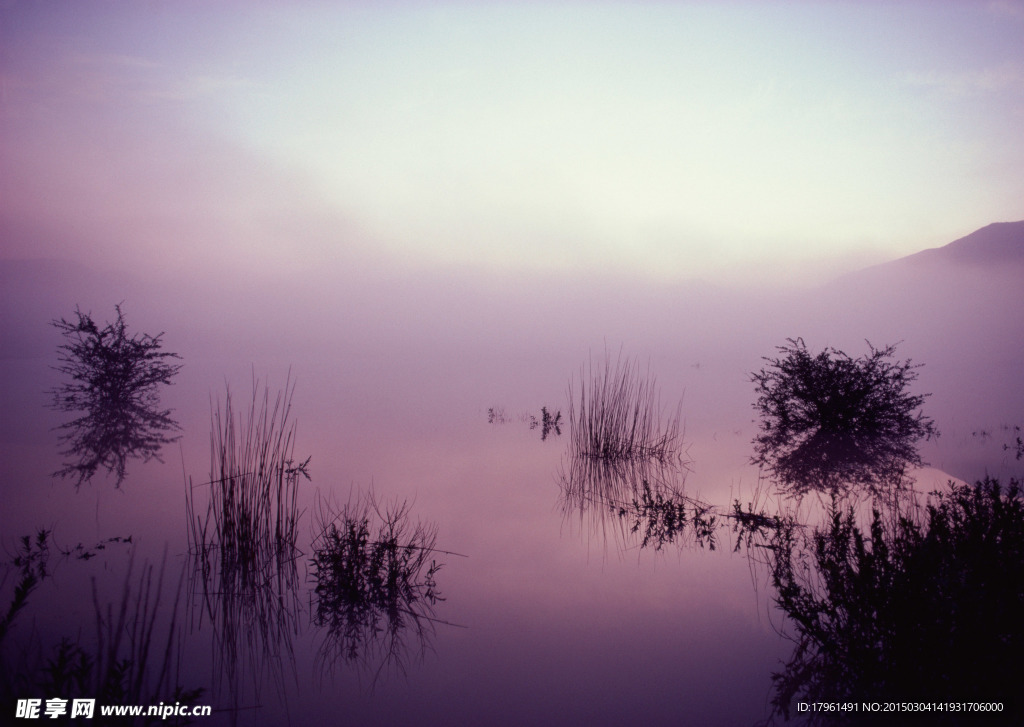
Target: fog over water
[{"x": 395, "y": 377}]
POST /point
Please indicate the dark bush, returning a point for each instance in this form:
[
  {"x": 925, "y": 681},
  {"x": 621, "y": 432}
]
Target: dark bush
[
  {"x": 829, "y": 422},
  {"x": 927, "y": 612},
  {"x": 114, "y": 379}
]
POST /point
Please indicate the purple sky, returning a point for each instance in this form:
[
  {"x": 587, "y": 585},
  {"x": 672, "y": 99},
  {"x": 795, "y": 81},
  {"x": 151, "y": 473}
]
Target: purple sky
[{"x": 666, "y": 140}]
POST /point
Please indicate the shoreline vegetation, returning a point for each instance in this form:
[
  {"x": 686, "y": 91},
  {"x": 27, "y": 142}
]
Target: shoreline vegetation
[{"x": 133, "y": 655}]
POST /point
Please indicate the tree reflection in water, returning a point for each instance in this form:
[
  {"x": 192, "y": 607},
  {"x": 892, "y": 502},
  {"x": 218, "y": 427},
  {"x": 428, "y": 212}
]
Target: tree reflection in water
[
  {"x": 887, "y": 596},
  {"x": 923, "y": 602},
  {"x": 831, "y": 422},
  {"x": 900, "y": 601},
  {"x": 376, "y": 590},
  {"x": 114, "y": 378}
]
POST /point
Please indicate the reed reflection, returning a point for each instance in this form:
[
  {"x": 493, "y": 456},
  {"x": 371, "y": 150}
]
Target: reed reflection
[
  {"x": 638, "y": 503},
  {"x": 131, "y": 657},
  {"x": 375, "y": 574},
  {"x": 243, "y": 548},
  {"x": 254, "y": 618},
  {"x": 625, "y": 470}
]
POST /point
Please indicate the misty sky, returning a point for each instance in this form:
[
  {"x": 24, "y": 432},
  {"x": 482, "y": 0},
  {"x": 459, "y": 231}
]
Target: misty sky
[{"x": 665, "y": 139}]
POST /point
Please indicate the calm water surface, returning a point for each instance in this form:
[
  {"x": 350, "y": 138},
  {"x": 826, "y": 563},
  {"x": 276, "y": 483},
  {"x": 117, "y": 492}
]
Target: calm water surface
[{"x": 553, "y": 616}]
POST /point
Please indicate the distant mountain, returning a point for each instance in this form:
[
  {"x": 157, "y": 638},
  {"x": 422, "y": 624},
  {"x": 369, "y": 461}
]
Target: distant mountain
[
  {"x": 996, "y": 250},
  {"x": 998, "y": 243}
]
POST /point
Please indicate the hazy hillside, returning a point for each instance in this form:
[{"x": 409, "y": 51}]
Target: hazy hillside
[{"x": 1001, "y": 243}]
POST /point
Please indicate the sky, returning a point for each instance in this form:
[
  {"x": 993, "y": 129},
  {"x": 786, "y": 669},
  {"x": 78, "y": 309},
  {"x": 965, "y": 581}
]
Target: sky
[{"x": 665, "y": 140}]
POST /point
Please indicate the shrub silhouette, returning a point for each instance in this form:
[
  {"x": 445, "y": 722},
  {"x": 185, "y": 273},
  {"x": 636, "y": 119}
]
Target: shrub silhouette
[
  {"x": 831, "y": 421},
  {"x": 114, "y": 381},
  {"x": 375, "y": 573},
  {"x": 909, "y": 610}
]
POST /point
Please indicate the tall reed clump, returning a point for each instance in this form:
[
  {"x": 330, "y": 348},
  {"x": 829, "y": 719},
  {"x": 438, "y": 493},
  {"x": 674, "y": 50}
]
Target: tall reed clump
[
  {"x": 252, "y": 511},
  {"x": 615, "y": 414}
]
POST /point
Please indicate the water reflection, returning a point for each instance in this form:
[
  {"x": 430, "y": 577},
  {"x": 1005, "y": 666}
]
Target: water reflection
[
  {"x": 132, "y": 656},
  {"x": 921, "y": 601},
  {"x": 114, "y": 378},
  {"x": 243, "y": 548},
  {"x": 375, "y": 593},
  {"x": 549, "y": 424},
  {"x": 636, "y": 502},
  {"x": 254, "y": 617},
  {"x": 904, "y": 597}
]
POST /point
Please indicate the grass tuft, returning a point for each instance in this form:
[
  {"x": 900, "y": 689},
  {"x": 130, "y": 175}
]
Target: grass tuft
[
  {"x": 615, "y": 414},
  {"x": 375, "y": 571}
]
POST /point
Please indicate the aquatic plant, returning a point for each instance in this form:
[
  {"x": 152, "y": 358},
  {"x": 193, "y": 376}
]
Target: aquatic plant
[
  {"x": 243, "y": 547},
  {"x": 1017, "y": 446},
  {"x": 114, "y": 380},
  {"x": 496, "y": 415},
  {"x": 830, "y": 421},
  {"x": 667, "y": 516},
  {"x": 252, "y": 510},
  {"x": 547, "y": 423},
  {"x": 375, "y": 572},
  {"x": 615, "y": 414},
  {"x": 133, "y": 658},
  {"x": 32, "y": 563},
  {"x": 926, "y": 606}
]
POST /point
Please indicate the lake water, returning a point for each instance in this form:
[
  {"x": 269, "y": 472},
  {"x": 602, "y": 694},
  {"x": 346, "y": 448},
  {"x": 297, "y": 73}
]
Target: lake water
[{"x": 552, "y": 613}]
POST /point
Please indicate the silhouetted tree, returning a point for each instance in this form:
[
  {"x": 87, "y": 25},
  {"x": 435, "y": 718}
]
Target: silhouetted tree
[
  {"x": 831, "y": 421},
  {"x": 909, "y": 611},
  {"x": 114, "y": 382}
]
